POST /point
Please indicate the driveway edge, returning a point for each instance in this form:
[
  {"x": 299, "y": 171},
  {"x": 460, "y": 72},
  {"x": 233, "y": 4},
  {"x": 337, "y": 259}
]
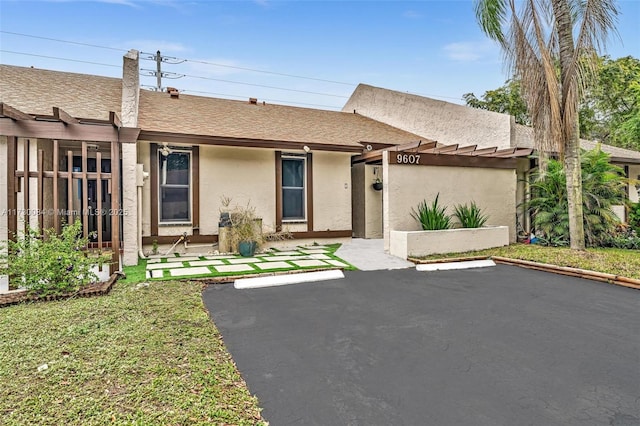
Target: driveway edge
[{"x": 574, "y": 272}]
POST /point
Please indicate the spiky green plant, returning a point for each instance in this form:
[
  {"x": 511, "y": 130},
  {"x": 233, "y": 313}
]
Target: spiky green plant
[
  {"x": 432, "y": 217},
  {"x": 602, "y": 188},
  {"x": 470, "y": 216}
]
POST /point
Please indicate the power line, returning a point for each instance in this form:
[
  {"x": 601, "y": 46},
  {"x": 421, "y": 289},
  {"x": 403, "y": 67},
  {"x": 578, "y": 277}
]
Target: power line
[
  {"x": 270, "y": 72},
  {"x": 60, "y": 59},
  {"x": 64, "y": 41},
  {"x": 265, "y": 86},
  {"x": 168, "y": 59},
  {"x": 206, "y": 63}
]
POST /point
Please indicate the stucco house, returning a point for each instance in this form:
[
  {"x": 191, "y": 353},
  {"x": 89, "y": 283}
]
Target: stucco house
[
  {"x": 450, "y": 123},
  {"x": 141, "y": 166}
]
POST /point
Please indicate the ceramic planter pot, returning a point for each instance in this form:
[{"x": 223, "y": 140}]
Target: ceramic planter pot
[{"x": 247, "y": 248}]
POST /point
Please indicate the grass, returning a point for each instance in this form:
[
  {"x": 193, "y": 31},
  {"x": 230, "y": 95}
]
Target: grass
[
  {"x": 141, "y": 355},
  {"x": 609, "y": 260}
]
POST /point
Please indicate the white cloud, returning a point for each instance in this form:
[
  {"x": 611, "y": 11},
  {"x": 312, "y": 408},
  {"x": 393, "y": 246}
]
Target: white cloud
[
  {"x": 470, "y": 51},
  {"x": 412, "y": 14}
]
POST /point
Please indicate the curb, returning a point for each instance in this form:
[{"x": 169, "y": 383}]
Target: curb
[
  {"x": 450, "y": 266},
  {"x": 446, "y": 260},
  {"x": 574, "y": 272},
  {"x": 546, "y": 267},
  {"x": 280, "y": 280},
  {"x": 231, "y": 278}
]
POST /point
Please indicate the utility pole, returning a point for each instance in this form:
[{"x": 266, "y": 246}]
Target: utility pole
[{"x": 158, "y": 73}]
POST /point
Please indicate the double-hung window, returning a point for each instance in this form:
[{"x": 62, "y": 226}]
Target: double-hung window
[
  {"x": 175, "y": 186},
  {"x": 293, "y": 189}
]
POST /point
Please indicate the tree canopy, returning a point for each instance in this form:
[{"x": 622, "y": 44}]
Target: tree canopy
[{"x": 609, "y": 112}]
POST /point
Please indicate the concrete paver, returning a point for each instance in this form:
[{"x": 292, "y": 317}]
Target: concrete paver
[
  {"x": 272, "y": 265},
  {"x": 319, "y": 256},
  {"x": 281, "y": 258},
  {"x": 314, "y": 251},
  {"x": 181, "y": 272},
  {"x": 167, "y": 265},
  {"x": 234, "y": 268},
  {"x": 287, "y": 253},
  {"x": 206, "y": 262},
  {"x": 244, "y": 260},
  {"x": 310, "y": 262}
]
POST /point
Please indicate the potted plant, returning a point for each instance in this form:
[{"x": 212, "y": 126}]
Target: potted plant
[
  {"x": 377, "y": 184},
  {"x": 245, "y": 230}
]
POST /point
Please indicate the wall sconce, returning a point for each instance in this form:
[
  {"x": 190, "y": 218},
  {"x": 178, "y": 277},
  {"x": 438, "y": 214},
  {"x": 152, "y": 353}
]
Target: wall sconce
[{"x": 306, "y": 149}]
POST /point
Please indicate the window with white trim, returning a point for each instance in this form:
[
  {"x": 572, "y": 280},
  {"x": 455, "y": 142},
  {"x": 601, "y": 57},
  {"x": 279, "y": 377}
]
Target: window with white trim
[
  {"x": 174, "y": 186},
  {"x": 294, "y": 189}
]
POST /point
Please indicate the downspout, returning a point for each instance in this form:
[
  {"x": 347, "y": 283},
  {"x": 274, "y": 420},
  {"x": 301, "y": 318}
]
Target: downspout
[{"x": 141, "y": 176}]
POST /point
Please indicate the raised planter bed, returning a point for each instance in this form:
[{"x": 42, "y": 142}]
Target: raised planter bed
[{"x": 407, "y": 244}]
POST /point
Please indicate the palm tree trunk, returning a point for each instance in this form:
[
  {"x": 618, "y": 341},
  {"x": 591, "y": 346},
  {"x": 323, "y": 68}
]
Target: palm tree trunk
[
  {"x": 569, "y": 105},
  {"x": 573, "y": 172}
]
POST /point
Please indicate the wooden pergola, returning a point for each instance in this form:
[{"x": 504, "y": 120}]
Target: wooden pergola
[
  {"x": 59, "y": 126},
  {"x": 432, "y": 153}
]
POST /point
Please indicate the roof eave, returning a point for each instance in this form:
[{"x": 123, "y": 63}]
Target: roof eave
[{"x": 171, "y": 137}]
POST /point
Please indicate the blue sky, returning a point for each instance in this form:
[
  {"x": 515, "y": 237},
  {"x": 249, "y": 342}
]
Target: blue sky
[{"x": 432, "y": 48}]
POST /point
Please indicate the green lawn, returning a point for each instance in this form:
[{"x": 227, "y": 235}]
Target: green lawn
[
  {"x": 613, "y": 261},
  {"x": 143, "y": 355}
]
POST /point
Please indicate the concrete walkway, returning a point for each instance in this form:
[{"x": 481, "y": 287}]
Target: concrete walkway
[{"x": 369, "y": 255}]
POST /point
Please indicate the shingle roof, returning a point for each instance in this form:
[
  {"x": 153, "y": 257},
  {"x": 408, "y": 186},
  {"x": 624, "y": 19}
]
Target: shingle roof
[
  {"x": 524, "y": 139},
  {"x": 241, "y": 119},
  {"x": 36, "y": 91}
]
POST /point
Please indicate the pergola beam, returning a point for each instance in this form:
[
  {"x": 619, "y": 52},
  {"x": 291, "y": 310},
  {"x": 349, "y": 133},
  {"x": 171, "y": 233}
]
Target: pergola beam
[
  {"x": 62, "y": 115},
  {"x": 13, "y": 113},
  {"x": 62, "y": 131},
  {"x": 115, "y": 120}
]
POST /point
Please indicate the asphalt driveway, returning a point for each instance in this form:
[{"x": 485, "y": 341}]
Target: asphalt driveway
[{"x": 492, "y": 346}]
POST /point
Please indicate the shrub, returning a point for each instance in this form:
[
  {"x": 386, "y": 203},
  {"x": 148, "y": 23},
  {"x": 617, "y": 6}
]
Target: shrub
[
  {"x": 432, "y": 217},
  {"x": 52, "y": 264},
  {"x": 470, "y": 216},
  {"x": 602, "y": 188},
  {"x": 624, "y": 237},
  {"x": 634, "y": 216}
]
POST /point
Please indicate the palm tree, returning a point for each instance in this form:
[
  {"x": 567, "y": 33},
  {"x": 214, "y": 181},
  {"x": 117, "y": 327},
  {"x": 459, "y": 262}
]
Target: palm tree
[{"x": 551, "y": 47}]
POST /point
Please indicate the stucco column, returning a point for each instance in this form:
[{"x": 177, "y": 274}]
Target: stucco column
[
  {"x": 4, "y": 216},
  {"x": 385, "y": 200},
  {"x": 129, "y": 112}
]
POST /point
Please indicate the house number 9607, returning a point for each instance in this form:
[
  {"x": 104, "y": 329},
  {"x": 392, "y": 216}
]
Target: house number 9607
[{"x": 408, "y": 158}]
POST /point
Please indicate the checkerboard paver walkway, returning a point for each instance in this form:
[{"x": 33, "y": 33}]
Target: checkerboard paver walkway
[{"x": 194, "y": 265}]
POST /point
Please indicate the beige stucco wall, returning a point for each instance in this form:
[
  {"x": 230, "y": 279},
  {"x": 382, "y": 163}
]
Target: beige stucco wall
[
  {"x": 331, "y": 191},
  {"x": 522, "y": 187},
  {"x": 373, "y": 202},
  {"x": 367, "y": 202},
  {"x": 493, "y": 190},
  {"x": 358, "y": 210},
  {"x": 243, "y": 174},
  {"x": 4, "y": 190},
  {"x": 406, "y": 244},
  {"x": 247, "y": 175},
  {"x": 445, "y": 122}
]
